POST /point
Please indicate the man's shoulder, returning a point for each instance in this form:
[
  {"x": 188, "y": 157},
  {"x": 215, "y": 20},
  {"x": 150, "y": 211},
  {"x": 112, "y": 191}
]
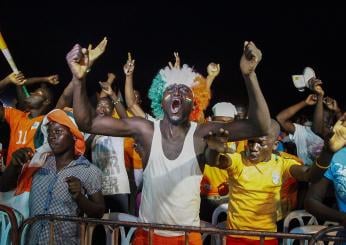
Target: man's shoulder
[
  {"x": 289, "y": 157},
  {"x": 11, "y": 111}
]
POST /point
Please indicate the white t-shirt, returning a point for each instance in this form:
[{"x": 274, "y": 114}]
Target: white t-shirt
[
  {"x": 309, "y": 145},
  {"x": 108, "y": 155}
]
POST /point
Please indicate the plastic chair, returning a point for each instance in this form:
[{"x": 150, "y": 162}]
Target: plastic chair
[
  {"x": 330, "y": 231},
  {"x": 222, "y": 208},
  {"x": 205, "y": 224},
  {"x": 125, "y": 238},
  {"x": 310, "y": 227},
  {"x": 111, "y": 232},
  {"x": 5, "y": 226},
  {"x": 219, "y": 210},
  {"x": 330, "y": 223}
]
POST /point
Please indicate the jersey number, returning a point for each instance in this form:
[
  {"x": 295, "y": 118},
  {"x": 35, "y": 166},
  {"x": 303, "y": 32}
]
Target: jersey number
[{"x": 21, "y": 137}]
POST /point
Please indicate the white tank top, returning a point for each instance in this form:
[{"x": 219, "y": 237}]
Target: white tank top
[{"x": 171, "y": 188}]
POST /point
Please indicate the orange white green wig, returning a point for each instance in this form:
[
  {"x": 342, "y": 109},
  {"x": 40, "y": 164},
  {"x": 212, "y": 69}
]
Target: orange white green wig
[{"x": 184, "y": 75}]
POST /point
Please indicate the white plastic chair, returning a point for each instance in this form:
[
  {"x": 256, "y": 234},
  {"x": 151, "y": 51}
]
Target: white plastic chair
[
  {"x": 219, "y": 210},
  {"x": 125, "y": 238},
  {"x": 205, "y": 224},
  {"x": 222, "y": 208},
  {"x": 309, "y": 227},
  {"x": 110, "y": 232}
]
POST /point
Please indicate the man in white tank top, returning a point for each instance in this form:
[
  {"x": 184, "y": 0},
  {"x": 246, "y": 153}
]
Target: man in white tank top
[{"x": 173, "y": 148}]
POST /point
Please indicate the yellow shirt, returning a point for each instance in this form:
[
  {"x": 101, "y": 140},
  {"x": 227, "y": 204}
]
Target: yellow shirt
[
  {"x": 254, "y": 201},
  {"x": 241, "y": 145}
]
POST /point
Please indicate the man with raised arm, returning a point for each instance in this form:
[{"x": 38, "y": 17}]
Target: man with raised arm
[{"x": 172, "y": 149}]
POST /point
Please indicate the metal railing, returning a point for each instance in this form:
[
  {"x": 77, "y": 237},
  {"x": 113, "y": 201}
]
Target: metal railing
[{"x": 17, "y": 233}]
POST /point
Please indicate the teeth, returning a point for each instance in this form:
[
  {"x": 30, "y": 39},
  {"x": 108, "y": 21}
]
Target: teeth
[{"x": 175, "y": 105}]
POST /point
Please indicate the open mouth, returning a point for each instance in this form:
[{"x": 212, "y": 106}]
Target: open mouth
[{"x": 175, "y": 106}]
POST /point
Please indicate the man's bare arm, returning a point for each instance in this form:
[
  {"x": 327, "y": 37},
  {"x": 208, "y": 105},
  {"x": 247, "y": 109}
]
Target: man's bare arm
[
  {"x": 258, "y": 120},
  {"x": 130, "y": 96},
  {"x": 285, "y": 115}
]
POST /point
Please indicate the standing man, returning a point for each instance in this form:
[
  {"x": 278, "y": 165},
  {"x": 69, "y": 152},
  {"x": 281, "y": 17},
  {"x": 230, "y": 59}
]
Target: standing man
[{"x": 172, "y": 149}]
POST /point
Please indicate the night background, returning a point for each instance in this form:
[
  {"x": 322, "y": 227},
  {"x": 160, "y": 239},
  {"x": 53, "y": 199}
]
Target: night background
[{"x": 291, "y": 37}]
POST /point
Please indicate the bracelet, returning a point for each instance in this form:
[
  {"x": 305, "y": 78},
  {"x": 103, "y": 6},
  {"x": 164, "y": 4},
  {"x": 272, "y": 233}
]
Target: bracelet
[
  {"x": 116, "y": 102},
  {"x": 320, "y": 166}
]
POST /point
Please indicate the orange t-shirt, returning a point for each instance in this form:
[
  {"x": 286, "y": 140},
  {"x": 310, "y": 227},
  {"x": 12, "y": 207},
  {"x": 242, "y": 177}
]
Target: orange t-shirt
[
  {"x": 289, "y": 189},
  {"x": 132, "y": 159},
  {"x": 23, "y": 129}
]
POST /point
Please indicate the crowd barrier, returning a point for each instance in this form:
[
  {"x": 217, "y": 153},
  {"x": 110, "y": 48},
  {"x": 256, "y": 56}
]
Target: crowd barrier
[{"x": 17, "y": 231}]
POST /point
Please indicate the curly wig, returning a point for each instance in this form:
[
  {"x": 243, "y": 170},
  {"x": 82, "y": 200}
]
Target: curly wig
[{"x": 186, "y": 76}]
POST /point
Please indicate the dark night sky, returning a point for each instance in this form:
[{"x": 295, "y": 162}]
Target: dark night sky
[{"x": 290, "y": 37}]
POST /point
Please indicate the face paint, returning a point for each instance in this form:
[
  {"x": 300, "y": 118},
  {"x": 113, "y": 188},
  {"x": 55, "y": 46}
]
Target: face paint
[
  {"x": 188, "y": 100},
  {"x": 167, "y": 97},
  {"x": 177, "y": 103}
]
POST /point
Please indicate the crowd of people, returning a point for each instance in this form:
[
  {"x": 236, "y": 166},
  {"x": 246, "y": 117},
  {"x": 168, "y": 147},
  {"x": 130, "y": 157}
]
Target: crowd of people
[{"x": 174, "y": 165}]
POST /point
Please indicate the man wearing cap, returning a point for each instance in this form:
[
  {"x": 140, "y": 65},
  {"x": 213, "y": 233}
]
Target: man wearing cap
[{"x": 172, "y": 149}]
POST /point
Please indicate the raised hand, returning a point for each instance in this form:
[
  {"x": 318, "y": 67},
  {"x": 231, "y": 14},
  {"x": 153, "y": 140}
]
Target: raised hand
[
  {"x": 74, "y": 186},
  {"x": 315, "y": 86},
  {"x": 22, "y": 156},
  {"x": 16, "y": 78},
  {"x": 311, "y": 99},
  {"x": 331, "y": 104},
  {"x": 53, "y": 79},
  {"x": 96, "y": 52},
  {"x": 78, "y": 61},
  {"x": 250, "y": 58},
  {"x": 177, "y": 61},
  {"x": 110, "y": 78},
  {"x": 129, "y": 67},
  {"x": 213, "y": 70},
  {"x": 106, "y": 87},
  {"x": 219, "y": 141}
]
